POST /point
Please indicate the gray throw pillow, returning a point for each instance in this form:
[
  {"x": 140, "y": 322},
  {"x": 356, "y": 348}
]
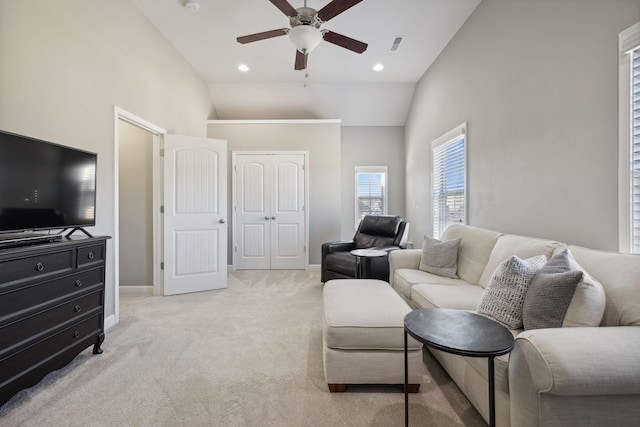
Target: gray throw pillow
[
  {"x": 550, "y": 293},
  {"x": 503, "y": 298},
  {"x": 439, "y": 257}
]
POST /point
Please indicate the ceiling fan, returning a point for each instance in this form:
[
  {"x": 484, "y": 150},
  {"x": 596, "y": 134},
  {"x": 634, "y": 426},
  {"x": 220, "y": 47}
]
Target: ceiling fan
[{"x": 305, "y": 32}]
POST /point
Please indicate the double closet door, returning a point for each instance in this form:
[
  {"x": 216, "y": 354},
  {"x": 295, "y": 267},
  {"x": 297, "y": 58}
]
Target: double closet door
[{"x": 270, "y": 225}]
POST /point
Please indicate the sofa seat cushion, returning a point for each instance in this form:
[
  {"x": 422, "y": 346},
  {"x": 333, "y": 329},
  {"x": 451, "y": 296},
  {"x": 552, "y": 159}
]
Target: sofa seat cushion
[
  {"x": 364, "y": 314},
  {"x": 460, "y": 296},
  {"x": 520, "y": 246},
  {"x": 500, "y": 366},
  {"x": 406, "y": 278}
]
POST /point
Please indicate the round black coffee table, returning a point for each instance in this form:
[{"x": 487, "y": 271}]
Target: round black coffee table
[
  {"x": 458, "y": 332},
  {"x": 365, "y": 253}
]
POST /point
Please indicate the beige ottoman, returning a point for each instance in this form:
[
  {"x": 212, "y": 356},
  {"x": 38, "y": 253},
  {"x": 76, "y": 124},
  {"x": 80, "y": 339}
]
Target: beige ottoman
[{"x": 363, "y": 336}]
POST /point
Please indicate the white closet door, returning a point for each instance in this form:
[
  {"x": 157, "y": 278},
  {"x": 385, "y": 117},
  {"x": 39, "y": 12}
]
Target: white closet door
[
  {"x": 252, "y": 213},
  {"x": 287, "y": 213},
  {"x": 270, "y": 220}
]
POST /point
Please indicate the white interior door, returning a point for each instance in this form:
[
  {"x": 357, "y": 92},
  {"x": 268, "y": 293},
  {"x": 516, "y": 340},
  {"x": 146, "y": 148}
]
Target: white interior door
[
  {"x": 252, "y": 213},
  {"x": 287, "y": 212},
  {"x": 269, "y": 209},
  {"x": 195, "y": 209}
]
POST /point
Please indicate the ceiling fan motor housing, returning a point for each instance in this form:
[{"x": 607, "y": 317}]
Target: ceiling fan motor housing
[{"x": 305, "y": 31}]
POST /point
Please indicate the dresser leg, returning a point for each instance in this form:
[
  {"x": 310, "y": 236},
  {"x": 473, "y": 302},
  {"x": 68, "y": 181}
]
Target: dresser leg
[{"x": 96, "y": 346}]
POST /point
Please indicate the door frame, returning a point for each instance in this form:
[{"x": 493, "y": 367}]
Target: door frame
[
  {"x": 157, "y": 135},
  {"x": 234, "y": 234}
]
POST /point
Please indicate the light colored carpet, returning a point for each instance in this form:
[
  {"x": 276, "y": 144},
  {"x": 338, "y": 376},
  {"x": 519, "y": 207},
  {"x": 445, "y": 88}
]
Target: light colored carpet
[{"x": 248, "y": 355}]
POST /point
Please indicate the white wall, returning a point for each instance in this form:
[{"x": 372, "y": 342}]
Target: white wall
[
  {"x": 322, "y": 141},
  {"x": 135, "y": 168},
  {"x": 64, "y": 64},
  {"x": 371, "y": 146},
  {"x": 536, "y": 82}
]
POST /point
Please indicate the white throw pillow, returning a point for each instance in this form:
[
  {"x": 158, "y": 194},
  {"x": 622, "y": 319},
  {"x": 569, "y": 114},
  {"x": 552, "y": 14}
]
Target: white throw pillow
[
  {"x": 588, "y": 302},
  {"x": 503, "y": 298},
  {"x": 439, "y": 257}
]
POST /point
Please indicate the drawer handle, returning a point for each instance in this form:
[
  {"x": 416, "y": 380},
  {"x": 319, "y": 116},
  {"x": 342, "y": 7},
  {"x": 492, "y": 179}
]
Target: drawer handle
[
  {"x": 78, "y": 283},
  {"x": 77, "y": 309},
  {"x": 76, "y": 334},
  {"x": 39, "y": 266},
  {"x": 91, "y": 255}
]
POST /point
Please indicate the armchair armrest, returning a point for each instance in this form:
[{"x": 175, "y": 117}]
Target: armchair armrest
[
  {"x": 406, "y": 258},
  {"x": 574, "y": 362},
  {"x": 339, "y": 246}
]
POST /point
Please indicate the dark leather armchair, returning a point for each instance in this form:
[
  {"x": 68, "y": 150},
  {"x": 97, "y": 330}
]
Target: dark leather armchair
[{"x": 374, "y": 232}]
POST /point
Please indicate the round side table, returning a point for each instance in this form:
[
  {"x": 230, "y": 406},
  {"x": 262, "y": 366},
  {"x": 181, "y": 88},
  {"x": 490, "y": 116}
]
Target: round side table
[
  {"x": 458, "y": 332},
  {"x": 365, "y": 253}
]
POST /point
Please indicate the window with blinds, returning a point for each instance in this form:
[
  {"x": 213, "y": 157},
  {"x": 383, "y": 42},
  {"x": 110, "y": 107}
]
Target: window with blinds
[
  {"x": 635, "y": 143},
  {"x": 449, "y": 180},
  {"x": 371, "y": 191}
]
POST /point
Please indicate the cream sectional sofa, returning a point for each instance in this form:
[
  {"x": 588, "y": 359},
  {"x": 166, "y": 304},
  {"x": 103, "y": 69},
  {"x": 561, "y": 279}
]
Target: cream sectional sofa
[{"x": 569, "y": 376}]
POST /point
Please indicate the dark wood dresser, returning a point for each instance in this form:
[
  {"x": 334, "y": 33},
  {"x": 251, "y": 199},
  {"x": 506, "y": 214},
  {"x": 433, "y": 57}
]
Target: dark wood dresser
[{"x": 51, "y": 308}]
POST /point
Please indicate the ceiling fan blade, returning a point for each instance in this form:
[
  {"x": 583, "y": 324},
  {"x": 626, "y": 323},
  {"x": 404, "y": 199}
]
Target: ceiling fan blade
[
  {"x": 261, "y": 36},
  {"x": 301, "y": 60},
  {"x": 336, "y": 7},
  {"x": 344, "y": 41},
  {"x": 285, "y": 7}
]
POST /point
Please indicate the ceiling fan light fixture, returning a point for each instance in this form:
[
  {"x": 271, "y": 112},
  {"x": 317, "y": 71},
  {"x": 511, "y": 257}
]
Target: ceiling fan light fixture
[
  {"x": 305, "y": 37},
  {"x": 378, "y": 67}
]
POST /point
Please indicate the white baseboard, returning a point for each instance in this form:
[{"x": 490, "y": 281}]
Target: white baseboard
[
  {"x": 313, "y": 267},
  {"x": 109, "y": 322},
  {"x": 136, "y": 290}
]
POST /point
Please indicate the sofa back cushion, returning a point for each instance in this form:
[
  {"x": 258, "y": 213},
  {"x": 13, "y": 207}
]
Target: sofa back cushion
[
  {"x": 523, "y": 247},
  {"x": 476, "y": 245},
  {"x": 619, "y": 275}
]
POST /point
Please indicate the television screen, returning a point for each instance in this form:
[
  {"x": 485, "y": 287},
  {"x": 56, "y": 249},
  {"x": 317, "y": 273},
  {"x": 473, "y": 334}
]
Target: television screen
[{"x": 45, "y": 185}]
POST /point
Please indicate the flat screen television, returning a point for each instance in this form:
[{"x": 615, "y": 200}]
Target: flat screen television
[{"x": 45, "y": 186}]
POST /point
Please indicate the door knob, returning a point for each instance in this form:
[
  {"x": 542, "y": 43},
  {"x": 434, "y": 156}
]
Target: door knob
[
  {"x": 267, "y": 218},
  {"x": 273, "y": 217},
  {"x": 221, "y": 220}
]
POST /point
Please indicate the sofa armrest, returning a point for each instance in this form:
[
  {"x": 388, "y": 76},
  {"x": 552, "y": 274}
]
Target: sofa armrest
[
  {"x": 574, "y": 362},
  {"x": 406, "y": 258}
]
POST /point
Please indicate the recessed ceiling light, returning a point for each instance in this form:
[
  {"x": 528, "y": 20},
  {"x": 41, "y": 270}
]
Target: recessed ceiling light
[
  {"x": 192, "y": 6},
  {"x": 378, "y": 67},
  {"x": 243, "y": 67}
]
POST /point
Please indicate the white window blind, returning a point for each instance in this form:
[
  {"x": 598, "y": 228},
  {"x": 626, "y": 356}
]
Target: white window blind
[
  {"x": 635, "y": 142},
  {"x": 371, "y": 191},
  {"x": 449, "y": 180}
]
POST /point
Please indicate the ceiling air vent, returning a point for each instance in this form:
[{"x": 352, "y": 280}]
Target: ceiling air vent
[{"x": 396, "y": 43}]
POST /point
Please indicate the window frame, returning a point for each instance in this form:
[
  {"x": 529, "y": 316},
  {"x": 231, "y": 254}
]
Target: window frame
[
  {"x": 454, "y": 135},
  {"x": 628, "y": 41},
  {"x": 384, "y": 170}
]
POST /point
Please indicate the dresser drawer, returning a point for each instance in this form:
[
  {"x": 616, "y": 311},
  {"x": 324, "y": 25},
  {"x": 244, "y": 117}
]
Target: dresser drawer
[
  {"x": 88, "y": 255},
  {"x": 34, "y": 327},
  {"x": 35, "y": 296},
  {"x": 29, "y": 358},
  {"x": 36, "y": 266}
]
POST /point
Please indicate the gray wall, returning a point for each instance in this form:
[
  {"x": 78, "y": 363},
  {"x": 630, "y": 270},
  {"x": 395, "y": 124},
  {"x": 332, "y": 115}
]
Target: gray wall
[
  {"x": 537, "y": 84},
  {"x": 135, "y": 168},
  {"x": 64, "y": 64},
  {"x": 322, "y": 141},
  {"x": 371, "y": 146}
]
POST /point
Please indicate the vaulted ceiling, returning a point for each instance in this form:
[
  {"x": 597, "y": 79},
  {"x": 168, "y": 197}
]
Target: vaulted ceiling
[{"x": 337, "y": 84}]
